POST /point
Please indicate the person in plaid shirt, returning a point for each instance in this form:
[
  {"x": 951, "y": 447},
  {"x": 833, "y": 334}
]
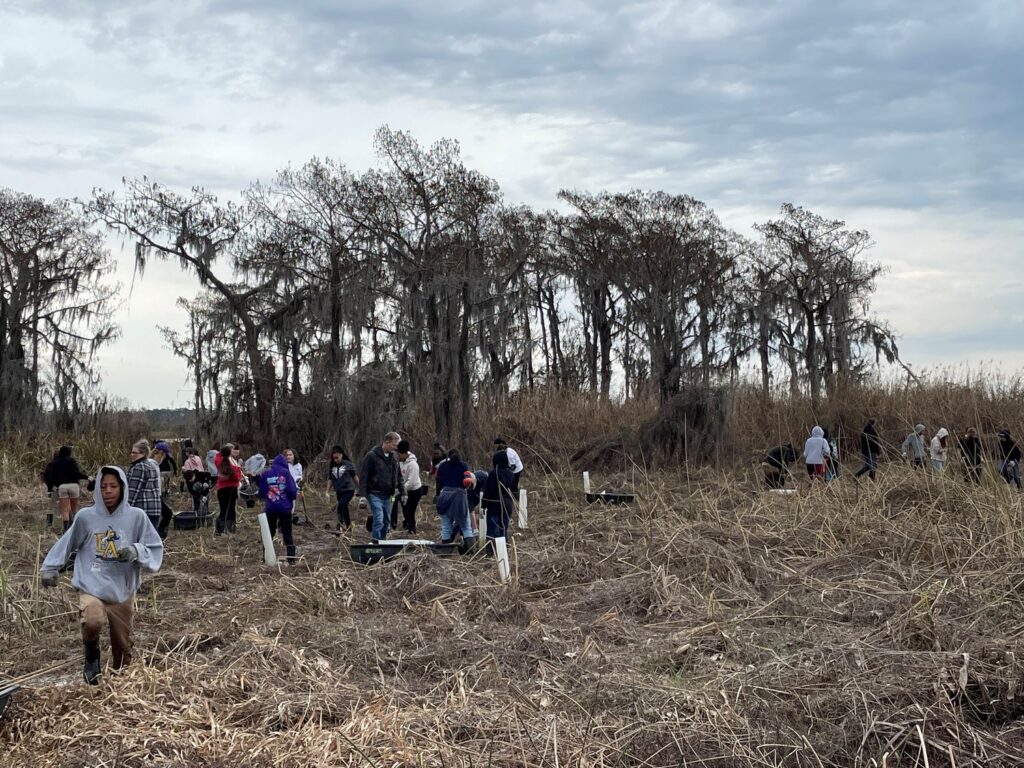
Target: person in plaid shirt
[{"x": 144, "y": 482}]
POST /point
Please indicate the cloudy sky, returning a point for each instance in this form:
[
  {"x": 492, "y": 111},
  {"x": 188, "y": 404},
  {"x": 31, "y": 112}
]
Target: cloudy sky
[{"x": 903, "y": 118}]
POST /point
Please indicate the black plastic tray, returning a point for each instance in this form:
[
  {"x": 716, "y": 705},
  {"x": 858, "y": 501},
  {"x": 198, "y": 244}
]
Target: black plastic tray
[
  {"x": 367, "y": 554},
  {"x": 610, "y": 498}
]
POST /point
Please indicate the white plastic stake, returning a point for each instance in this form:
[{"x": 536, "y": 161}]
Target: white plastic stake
[
  {"x": 501, "y": 554},
  {"x": 522, "y": 508},
  {"x": 586, "y": 482},
  {"x": 481, "y": 522},
  {"x": 269, "y": 556}
]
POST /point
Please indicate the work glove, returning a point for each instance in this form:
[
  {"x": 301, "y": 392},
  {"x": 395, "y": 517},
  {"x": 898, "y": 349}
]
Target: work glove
[
  {"x": 362, "y": 502},
  {"x": 904, "y": 455},
  {"x": 128, "y": 555},
  {"x": 404, "y": 500},
  {"x": 49, "y": 579}
]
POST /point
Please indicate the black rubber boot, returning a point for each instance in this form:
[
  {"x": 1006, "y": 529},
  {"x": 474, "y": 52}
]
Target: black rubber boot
[
  {"x": 67, "y": 524},
  {"x": 91, "y": 670}
]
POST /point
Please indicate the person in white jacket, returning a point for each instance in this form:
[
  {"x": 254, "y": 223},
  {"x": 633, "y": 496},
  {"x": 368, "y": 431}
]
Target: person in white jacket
[
  {"x": 937, "y": 450},
  {"x": 414, "y": 488},
  {"x": 816, "y": 450},
  {"x": 112, "y": 543}
]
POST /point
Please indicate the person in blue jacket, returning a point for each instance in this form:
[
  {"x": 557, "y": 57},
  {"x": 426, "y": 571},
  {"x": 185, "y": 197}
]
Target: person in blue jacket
[
  {"x": 278, "y": 489},
  {"x": 112, "y": 542}
]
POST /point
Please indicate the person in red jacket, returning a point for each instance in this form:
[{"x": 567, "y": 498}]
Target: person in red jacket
[{"x": 229, "y": 478}]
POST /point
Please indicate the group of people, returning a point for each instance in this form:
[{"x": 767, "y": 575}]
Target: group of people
[
  {"x": 821, "y": 455},
  {"x": 122, "y": 533}
]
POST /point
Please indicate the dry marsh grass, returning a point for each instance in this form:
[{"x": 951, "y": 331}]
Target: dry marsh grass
[{"x": 709, "y": 624}]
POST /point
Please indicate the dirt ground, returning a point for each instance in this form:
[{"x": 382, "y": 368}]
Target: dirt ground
[{"x": 710, "y": 623}]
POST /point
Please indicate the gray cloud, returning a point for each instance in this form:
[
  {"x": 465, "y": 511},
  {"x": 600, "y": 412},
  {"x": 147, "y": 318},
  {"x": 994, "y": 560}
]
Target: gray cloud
[{"x": 863, "y": 109}]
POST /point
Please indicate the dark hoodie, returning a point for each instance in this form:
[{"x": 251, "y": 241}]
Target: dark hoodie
[
  {"x": 64, "y": 470},
  {"x": 380, "y": 474},
  {"x": 1008, "y": 448},
  {"x": 870, "y": 445},
  {"x": 497, "y": 490},
  {"x": 278, "y": 486},
  {"x": 780, "y": 457},
  {"x": 96, "y": 535}
]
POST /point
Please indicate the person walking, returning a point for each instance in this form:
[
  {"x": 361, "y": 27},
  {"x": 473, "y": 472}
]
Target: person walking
[
  {"x": 164, "y": 459},
  {"x": 64, "y": 475},
  {"x": 870, "y": 448},
  {"x": 816, "y": 453},
  {"x": 279, "y": 491},
  {"x": 413, "y": 488},
  {"x": 1009, "y": 453},
  {"x": 497, "y": 497},
  {"x": 453, "y": 478},
  {"x": 144, "y": 483},
  {"x": 913, "y": 447},
  {"x": 380, "y": 478},
  {"x": 229, "y": 479},
  {"x": 341, "y": 479},
  {"x": 937, "y": 450},
  {"x": 112, "y": 542},
  {"x": 515, "y": 463},
  {"x": 971, "y": 449}
]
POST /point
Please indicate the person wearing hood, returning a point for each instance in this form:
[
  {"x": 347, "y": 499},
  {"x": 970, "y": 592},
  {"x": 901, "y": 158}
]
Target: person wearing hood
[
  {"x": 913, "y": 447},
  {"x": 113, "y": 541},
  {"x": 1009, "y": 454},
  {"x": 380, "y": 478},
  {"x": 497, "y": 496},
  {"x": 974, "y": 457},
  {"x": 937, "y": 449},
  {"x": 63, "y": 474},
  {"x": 776, "y": 465},
  {"x": 279, "y": 490},
  {"x": 870, "y": 448},
  {"x": 144, "y": 483},
  {"x": 816, "y": 453},
  {"x": 413, "y": 488}
]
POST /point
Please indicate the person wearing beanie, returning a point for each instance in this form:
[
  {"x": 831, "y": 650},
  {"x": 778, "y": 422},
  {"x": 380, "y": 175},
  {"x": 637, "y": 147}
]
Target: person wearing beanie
[
  {"x": 913, "y": 447},
  {"x": 113, "y": 541}
]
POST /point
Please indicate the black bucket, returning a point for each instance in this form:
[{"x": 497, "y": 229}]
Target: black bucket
[
  {"x": 5, "y": 697},
  {"x": 367, "y": 554}
]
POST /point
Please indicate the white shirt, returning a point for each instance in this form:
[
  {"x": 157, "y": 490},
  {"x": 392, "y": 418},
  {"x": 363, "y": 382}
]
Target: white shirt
[
  {"x": 514, "y": 462},
  {"x": 411, "y": 473},
  {"x": 296, "y": 470}
]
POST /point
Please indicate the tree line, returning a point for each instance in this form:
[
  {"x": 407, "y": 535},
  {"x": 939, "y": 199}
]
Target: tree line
[{"x": 333, "y": 300}]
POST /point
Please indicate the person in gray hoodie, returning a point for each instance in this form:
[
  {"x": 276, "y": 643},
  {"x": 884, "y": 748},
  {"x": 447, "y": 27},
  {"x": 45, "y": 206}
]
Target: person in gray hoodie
[
  {"x": 112, "y": 542},
  {"x": 913, "y": 447}
]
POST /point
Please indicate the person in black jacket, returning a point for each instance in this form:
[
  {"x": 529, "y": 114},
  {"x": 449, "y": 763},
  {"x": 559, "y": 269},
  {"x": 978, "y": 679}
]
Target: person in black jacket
[
  {"x": 1009, "y": 453},
  {"x": 776, "y": 465},
  {"x": 497, "y": 497},
  {"x": 64, "y": 475},
  {"x": 970, "y": 447},
  {"x": 870, "y": 448},
  {"x": 380, "y": 478}
]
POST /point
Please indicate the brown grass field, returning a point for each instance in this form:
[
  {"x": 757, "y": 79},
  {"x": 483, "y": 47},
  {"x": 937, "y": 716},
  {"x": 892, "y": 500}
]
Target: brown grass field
[{"x": 709, "y": 624}]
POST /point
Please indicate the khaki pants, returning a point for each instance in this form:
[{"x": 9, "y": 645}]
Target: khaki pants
[{"x": 94, "y": 611}]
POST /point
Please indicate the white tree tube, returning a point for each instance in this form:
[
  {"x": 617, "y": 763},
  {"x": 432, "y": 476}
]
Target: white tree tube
[
  {"x": 501, "y": 555},
  {"x": 522, "y": 508},
  {"x": 269, "y": 556},
  {"x": 586, "y": 482}
]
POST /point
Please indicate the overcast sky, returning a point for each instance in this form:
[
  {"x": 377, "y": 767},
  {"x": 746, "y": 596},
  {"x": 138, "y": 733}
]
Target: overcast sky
[{"x": 903, "y": 118}]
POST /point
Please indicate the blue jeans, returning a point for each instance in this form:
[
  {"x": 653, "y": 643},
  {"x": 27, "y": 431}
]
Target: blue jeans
[
  {"x": 380, "y": 507},
  {"x": 453, "y": 509}
]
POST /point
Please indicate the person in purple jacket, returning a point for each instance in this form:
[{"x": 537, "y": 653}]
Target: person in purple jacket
[{"x": 278, "y": 489}]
